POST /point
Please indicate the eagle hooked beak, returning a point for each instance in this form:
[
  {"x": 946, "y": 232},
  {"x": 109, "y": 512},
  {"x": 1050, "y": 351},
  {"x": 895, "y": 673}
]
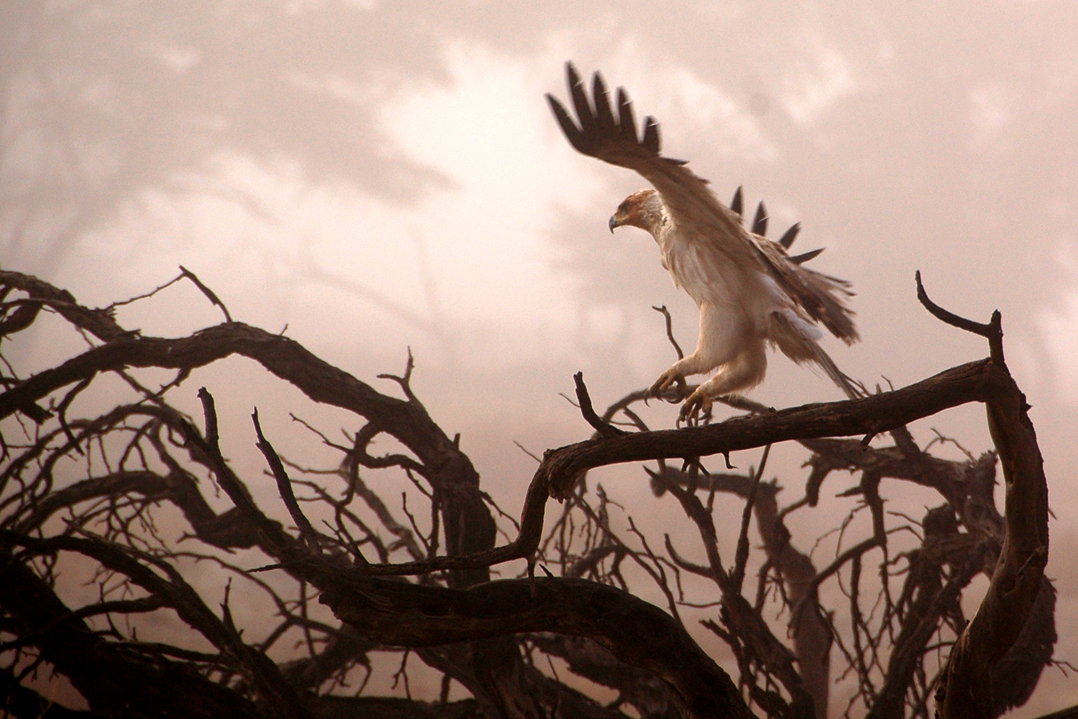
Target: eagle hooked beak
[{"x": 616, "y": 220}]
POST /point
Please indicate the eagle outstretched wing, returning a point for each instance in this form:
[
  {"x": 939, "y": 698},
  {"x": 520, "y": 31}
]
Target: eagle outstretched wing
[
  {"x": 690, "y": 203},
  {"x": 614, "y": 139}
]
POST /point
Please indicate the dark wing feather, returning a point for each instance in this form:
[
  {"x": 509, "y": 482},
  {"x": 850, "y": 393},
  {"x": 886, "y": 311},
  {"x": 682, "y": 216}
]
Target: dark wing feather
[
  {"x": 606, "y": 123},
  {"x": 759, "y": 222},
  {"x": 589, "y": 123},
  {"x": 806, "y": 256},
  {"x": 651, "y": 136},
  {"x": 790, "y": 235},
  {"x": 626, "y": 121},
  {"x": 735, "y": 204}
]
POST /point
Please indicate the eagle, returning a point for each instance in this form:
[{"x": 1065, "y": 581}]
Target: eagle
[{"x": 751, "y": 294}]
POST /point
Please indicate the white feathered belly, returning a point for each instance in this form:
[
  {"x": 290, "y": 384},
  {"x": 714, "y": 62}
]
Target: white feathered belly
[{"x": 709, "y": 277}]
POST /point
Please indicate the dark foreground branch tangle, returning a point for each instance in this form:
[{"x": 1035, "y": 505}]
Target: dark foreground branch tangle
[{"x": 353, "y": 572}]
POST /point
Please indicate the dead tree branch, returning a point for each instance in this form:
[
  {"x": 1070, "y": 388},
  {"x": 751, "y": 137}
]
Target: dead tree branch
[
  {"x": 93, "y": 487},
  {"x": 635, "y": 631}
]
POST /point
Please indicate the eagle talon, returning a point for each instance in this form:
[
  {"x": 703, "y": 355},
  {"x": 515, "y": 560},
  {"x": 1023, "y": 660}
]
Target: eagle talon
[
  {"x": 696, "y": 410},
  {"x": 669, "y": 380}
]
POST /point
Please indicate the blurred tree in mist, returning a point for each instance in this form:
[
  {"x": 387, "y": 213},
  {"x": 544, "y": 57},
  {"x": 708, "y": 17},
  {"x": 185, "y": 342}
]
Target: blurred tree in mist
[
  {"x": 120, "y": 514},
  {"x": 107, "y": 103}
]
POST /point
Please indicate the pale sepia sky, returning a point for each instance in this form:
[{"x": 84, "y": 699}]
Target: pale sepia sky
[{"x": 385, "y": 175}]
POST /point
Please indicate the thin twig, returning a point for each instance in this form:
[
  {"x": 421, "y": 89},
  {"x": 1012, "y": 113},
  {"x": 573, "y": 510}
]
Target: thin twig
[
  {"x": 145, "y": 295},
  {"x": 741, "y": 554},
  {"x": 605, "y": 429},
  {"x": 670, "y": 330},
  {"x": 61, "y": 412},
  {"x": 993, "y": 331},
  {"x": 284, "y": 486},
  {"x": 213, "y": 298}
]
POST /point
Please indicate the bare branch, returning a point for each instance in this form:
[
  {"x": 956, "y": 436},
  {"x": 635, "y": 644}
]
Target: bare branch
[
  {"x": 210, "y": 295},
  {"x": 992, "y": 331},
  {"x": 284, "y": 487},
  {"x": 670, "y": 330},
  {"x": 603, "y": 428}
]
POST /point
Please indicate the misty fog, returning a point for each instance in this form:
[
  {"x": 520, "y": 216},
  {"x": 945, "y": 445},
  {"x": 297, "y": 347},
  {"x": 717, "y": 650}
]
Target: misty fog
[{"x": 380, "y": 177}]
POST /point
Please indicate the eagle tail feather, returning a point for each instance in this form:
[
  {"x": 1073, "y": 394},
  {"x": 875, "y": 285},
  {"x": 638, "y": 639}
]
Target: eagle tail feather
[{"x": 795, "y": 338}]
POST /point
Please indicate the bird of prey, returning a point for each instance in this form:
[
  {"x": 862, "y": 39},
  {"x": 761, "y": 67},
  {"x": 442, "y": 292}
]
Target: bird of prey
[{"x": 750, "y": 293}]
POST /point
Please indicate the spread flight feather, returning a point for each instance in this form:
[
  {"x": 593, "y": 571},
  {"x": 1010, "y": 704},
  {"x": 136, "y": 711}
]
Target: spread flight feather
[{"x": 749, "y": 291}]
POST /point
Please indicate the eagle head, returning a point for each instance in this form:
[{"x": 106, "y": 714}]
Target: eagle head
[{"x": 643, "y": 209}]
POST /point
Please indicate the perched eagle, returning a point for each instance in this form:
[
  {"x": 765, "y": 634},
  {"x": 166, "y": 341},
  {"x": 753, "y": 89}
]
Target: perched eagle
[{"x": 749, "y": 291}]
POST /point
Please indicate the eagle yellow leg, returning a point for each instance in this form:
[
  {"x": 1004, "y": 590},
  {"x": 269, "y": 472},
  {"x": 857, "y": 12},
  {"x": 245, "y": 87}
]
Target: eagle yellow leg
[{"x": 741, "y": 372}]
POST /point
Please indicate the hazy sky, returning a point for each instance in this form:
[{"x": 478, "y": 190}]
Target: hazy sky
[{"x": 385, "y": 175}]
